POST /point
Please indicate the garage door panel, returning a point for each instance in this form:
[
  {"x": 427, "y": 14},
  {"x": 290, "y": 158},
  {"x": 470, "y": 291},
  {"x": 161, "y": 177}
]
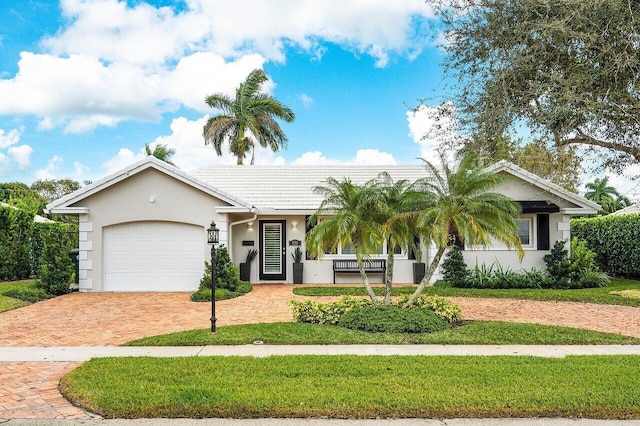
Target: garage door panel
[{"x": 153, "y": 256}]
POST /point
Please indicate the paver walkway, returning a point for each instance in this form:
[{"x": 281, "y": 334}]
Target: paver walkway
[{"x": 29, "y": 389}]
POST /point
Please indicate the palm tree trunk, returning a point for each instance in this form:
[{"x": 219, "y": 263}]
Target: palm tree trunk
[
  {"x": 388, "y": 279},
  {"x": 365, "y": 281},
  {"x": 427, "y": 277}
]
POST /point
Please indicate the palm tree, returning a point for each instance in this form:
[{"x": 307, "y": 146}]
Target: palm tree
[
  {"x": 350, "y": 221},
  {"x": 462, "y": 207},
  {"x": 161, "y": 152},
  {"x": 249, "y": 115},
  {"x": 599, "y": 189},
  {"x": 396, "y": 198}
]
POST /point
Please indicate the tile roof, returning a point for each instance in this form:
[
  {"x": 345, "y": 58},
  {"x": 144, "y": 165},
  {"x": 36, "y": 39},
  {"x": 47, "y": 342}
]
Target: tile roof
[
  {"x": 291, "y": 187},
  {"x": 634, "y": 209}
]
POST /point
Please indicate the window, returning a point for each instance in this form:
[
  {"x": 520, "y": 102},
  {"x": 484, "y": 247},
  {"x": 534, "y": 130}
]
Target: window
[{"x": 525, "y": 227}]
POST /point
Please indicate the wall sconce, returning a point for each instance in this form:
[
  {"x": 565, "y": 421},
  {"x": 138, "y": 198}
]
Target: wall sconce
[
  {"x": 152, "y": 199},
  {"x": 249, "y": 226},
  {"x": 294, "y": 224}
]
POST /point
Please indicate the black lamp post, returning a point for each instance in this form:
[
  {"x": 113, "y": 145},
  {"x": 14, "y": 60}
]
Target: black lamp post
[{"x": 213, "y": 238}]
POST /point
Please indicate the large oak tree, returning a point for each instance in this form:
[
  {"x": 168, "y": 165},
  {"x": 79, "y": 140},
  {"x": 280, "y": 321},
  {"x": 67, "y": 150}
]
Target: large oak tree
[{"x": 567, "y": 69}]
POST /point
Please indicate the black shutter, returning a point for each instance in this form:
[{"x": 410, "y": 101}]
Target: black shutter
[{"x": 543, "y": 231}]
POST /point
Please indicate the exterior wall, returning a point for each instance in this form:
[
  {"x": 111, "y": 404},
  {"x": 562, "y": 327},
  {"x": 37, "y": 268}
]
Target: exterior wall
[{"x": 147, "y": 196}]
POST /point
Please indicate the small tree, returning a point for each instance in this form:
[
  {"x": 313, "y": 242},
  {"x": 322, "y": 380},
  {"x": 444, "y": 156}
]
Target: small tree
[
  {"x": 454, "y": 269},
  {"x": 227, "y": 275},
  {"x": 56, "y": 270}
]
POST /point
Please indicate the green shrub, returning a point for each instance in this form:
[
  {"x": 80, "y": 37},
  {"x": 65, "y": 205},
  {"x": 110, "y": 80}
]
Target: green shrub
[
  {"x": 614, "y": 239},
  {"x": 324, "y": 313},
  {"x": 15, "y": 231},
  {"x": 392, "y": 319},
  {"x": 228, "y": 284},
  {"x": 63, "y": 235},
  {"x": 56, "y": 271},
  {"x": 440, "y": 306},
  {"x": 27, "y": 294},
  {"x": 454, "y": 268},
  {"x": 227, "y": 275},
  {"x": 558, "y": 265}
]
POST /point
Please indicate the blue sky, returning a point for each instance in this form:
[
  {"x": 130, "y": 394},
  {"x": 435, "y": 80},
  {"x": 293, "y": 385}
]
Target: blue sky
[{"x": 85, "y": 84}]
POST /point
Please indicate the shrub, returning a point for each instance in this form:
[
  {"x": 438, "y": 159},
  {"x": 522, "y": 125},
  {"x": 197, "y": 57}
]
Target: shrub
[
  {"x": 440, "y": 306},
  {"x": 454, "y": 268},
  {"x": 392, "y": 319},
  {"x": 228, "y": 284},
  {"x": 27, "y": 294},
  {"x": 227, "y": 275},
  {"x": 56, "y": 271},
  {"x": 324, "y": 313},
  {"x": 558, "y": 265},
  {"x": 614, "y": 240},
  {"x": 15, "y": 231}
]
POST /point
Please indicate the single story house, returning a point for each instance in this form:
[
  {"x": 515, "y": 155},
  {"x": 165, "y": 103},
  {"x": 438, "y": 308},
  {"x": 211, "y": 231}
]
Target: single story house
[{"x": 144, "y": 227}]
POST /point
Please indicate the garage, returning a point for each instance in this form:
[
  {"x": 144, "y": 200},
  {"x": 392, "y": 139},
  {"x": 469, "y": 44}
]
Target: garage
[{"x": 153, "y": 256}]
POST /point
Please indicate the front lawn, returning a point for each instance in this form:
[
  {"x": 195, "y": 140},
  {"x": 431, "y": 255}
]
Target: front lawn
[
  {"x": 473, "y": 333},
  {"x": 357, "y": 387},
  {"x": 7, "y": 303},
  {"x": 590, "y": 295}
]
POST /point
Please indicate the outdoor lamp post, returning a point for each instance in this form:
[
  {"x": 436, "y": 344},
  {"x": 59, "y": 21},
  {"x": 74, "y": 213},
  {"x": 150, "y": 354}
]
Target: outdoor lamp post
[{"x": 213, "y": 238}]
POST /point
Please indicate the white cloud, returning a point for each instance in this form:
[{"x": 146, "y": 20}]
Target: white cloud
[
  {"x": 16, "y": 156},
  {"x": 9, "y": 138},
  {"x": 53, "y": 166},
  {"x": 362, "y": 157},
  {"x": 115, "y": 32},
  {"x": 21, "y": 155},
  {"x": 306, "y": 100},
  {"x": 374, "y": 27},
  {"x": 79, "y": 168},
  {"x": 114, "y": 61},
  {"x": 124, "y": 158},
  {"x": 433, "y": 127}
]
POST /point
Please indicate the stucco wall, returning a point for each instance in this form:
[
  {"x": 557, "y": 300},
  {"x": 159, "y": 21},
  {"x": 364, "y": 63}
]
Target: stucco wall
[{"x": 146, "y": 196}]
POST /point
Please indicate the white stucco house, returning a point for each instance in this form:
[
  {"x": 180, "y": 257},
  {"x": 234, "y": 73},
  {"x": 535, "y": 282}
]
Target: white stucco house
[{"x": 144, "y": 227}]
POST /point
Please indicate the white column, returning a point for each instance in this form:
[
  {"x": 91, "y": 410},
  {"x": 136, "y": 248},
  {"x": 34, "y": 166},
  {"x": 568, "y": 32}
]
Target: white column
[{"x": 85, "y": 248}]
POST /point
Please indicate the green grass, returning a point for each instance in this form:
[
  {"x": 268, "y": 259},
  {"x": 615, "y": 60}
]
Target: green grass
[
  {"x": 8, "y": 303},
  {"x": 590, "y": 295},
  {"x": 473, "y": 333},
  {"x": 357, "y": 387}
]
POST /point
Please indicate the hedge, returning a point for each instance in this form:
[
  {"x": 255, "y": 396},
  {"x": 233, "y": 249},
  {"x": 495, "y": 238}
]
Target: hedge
[
  {"x": 29, "y": 248},
  {"x": 15, "y": 230},
  {"x": 614, "y": 239}
]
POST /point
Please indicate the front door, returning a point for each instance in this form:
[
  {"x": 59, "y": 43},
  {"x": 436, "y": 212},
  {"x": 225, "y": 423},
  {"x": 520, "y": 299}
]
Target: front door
[{"x": 273, "y": 248}]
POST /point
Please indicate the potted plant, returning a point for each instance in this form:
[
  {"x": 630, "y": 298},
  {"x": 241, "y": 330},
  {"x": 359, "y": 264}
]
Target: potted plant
[
  {"x": 297, "y": 265},
  {"x": 245, "y": 268},
  {"x": 419, "y": 267}
]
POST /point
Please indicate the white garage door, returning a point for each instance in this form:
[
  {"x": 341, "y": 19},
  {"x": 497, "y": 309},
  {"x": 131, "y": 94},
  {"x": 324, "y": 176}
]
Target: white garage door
[{"x": 153, "y": 256}]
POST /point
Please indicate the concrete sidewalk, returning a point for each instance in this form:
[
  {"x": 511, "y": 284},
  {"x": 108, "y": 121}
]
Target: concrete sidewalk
[{"x": 85, "y": 353}]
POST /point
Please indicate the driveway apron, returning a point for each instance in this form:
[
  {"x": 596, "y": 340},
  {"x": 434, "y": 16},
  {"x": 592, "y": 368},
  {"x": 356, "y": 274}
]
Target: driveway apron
[{"x": 29, "y": 389}]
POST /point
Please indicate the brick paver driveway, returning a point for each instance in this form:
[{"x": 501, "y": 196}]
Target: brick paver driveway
[{"x": 29, "y": 389}]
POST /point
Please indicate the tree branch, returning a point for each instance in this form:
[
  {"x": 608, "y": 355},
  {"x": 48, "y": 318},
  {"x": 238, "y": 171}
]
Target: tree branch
[{"x": 583, "y": 138}]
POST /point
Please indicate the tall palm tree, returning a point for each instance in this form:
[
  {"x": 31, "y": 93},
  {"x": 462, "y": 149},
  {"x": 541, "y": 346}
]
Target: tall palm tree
[
  {"x": 161, "y": 152},
  {"x": 396, "y": 198},
  {"x": 599, "y": 189},
  {"x": 350, "y": 221},
  {"x": 463, "y": 207},
  {"x": 249, "y": 115}
]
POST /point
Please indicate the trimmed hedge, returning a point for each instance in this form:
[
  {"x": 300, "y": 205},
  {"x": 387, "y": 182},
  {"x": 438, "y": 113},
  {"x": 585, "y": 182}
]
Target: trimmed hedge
[
  {"x": 15, "y": 230},
  {"x": 392, "y": 319},
  {"x": 614, "y": 239}
]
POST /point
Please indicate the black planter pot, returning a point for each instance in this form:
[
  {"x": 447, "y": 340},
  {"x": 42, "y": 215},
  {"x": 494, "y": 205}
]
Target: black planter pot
[
  {"x": 245, "y": 272},
  {"x": 418, "y": 272},
  {"x": 297, "y": 272}
]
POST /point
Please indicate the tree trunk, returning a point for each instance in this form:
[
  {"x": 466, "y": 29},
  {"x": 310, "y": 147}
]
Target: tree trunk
[
  {"x": 365, "y": 281},
  {"x": 427, "y": 277},
  {"x": 388, "y": 279}
]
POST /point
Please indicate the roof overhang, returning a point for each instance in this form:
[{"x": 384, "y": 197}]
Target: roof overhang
[
  {"x": 64, "y": 205},
  {"x": 584, "y": 206}
]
